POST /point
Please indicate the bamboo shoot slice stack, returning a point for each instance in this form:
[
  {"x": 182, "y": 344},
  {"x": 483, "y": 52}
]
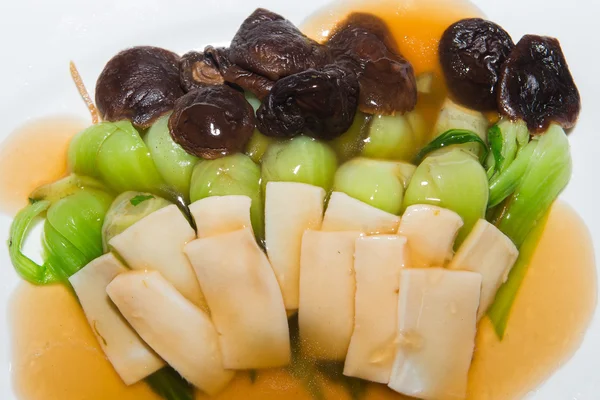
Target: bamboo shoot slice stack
[{"x": 181, "y": 333}]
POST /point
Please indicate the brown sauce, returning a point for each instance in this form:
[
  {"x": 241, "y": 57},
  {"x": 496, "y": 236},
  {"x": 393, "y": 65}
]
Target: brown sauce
[{"x": 32, "y": 156}]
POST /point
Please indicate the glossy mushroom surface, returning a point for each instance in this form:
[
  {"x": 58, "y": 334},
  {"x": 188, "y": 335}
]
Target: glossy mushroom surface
[{"x": 139, "y": 84}]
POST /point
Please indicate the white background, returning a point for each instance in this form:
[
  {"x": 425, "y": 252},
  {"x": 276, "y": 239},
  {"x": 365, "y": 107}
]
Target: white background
[{"x": 39, "y": 38}]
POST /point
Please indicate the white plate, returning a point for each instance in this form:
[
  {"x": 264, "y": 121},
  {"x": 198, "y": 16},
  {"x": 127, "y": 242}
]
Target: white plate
[{"x": 38, "y": 38}]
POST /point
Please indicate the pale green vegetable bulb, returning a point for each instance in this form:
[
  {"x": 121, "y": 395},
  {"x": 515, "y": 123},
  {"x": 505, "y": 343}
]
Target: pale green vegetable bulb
[
  {"x": 235, "y": 174},
  {"x": 301, "y": 159},
  {"x": 452, "y": 179},
  {"x": 85, "y": 146},
  {"x": 375, "y": 182},
  {"x": 115, "y": 153},
  {"x": 351, "y": 142},
  {"x": 258, "y": 145},
  {"x": 125, "y": 163},
  {"x": 127, "y": 209},
  {"x": 391, "y": 137},
  {"x": 174, "y": 164}
]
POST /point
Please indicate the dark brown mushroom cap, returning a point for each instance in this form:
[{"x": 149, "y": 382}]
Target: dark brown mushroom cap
[
  {"x": 536, "y": 85},
  {"x": 197, "y": 70},
  {"x": 320, "y": 103},
  {"x": 212, "y": 121},
  {"x": 471, "y": 53},
  {"x": 139, "y": 84},
  {"x": 234, "y": 74},
  {"x": 363, "y": 44},
  {"x": 271, "y": 46}
]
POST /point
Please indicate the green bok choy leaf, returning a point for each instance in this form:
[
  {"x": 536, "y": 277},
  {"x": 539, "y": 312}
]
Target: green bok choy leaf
[
  {"x": 72, "y": 235},
  {"x": 524, "y": 190}
]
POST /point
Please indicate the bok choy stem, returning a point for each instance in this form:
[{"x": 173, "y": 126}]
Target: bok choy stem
[
  {"x": 535, "y": 178},
  {"x": 26, "y": 267},
  {"x": 500, "y": 309}
]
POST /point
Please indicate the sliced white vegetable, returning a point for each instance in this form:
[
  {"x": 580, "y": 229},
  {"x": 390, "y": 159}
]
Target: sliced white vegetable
[
  {"x": 437, "y": 316},
  {"x": 345, "y": 213},
  {"x": 244, "y": 299},
  {"x": 454, "y": 116},
  {"x": 176, "y": 329},
  {"x": 221, "y": 214},
  {"x": 290, "y": 209},
  {"x": 491, "y": 253},
  {"x": 156, "y": 243},
  {"x": 327, "y": 287},
  {"x": 130, "y": 356},
  {"x": 377, "y": 262},
  {"x": 430, "y": 231}
]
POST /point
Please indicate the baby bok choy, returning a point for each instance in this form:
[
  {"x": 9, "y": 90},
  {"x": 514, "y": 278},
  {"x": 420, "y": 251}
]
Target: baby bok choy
[
  {"x": 527, "y": 178},
  {"x": 72, "y": 234},
  {"x": 235, "y": 174},
  {"x": 451, "y": 177},
  {"x": 379, "y": 183},
  {"x": 127, "y": 209},
  {"x": 115, "y": 153},
  {"x": 174, "y": 164}
]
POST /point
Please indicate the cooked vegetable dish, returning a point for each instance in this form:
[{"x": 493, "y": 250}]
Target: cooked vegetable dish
[{"x": 284, "y": 203}]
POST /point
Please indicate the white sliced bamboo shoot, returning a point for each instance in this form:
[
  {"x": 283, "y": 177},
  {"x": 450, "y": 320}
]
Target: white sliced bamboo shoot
[
  {"x": 156, "y": 243},
  {"x": 437, "y": 317},
  {"x": 377, "y": 262},
  {"x": 181, "y": 333},
  {"x": 244, "y": 298},
  {"x": 127, "y": 352},
  {"x": 345, "y": 213},
  {"x": 327, "y": 288},
  {"x": 430, "y": 231},
  {"x": 290, "y": 209},
  {"x": 491, "y": 253},
  {"x": 221, "y": 214}
]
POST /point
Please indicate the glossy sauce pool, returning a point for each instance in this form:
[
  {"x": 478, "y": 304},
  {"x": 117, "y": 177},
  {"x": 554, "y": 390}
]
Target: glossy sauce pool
[
  {"x": 56, "y": 357},
  {"x": 32, "y": 156}
]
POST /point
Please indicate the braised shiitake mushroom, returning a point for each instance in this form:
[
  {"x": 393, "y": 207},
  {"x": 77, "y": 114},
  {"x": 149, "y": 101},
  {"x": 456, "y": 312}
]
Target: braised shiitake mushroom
[
  {"x": 363, "y": 44},
  {"x": 536, "y": 85},
  {"x": 212, "y": 121},
  {"x": 271, "y": 46},
  {"x": 197, "y": 70},
  {"x": 320, "y": 103},
  {"x": 139, "y": 84},
  {"x": 471, "y": 53}
]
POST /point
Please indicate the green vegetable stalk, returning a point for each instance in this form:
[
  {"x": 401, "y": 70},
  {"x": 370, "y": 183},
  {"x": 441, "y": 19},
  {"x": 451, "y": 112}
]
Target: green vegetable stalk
[
  {"x": 231, "y": 175},
  {"x": 451, "y": 178},
  {"x": 300, "y": 159},
  {"x": 526, "y": 189},
  {"x": 173, "y": 163},
  {"x": 379, "y": 183},
  {"x": 116, "y": 153},
  {"x": 72, "y": 234},
  {"x": 127, "y": 209},
  {"x": 391, "y": 137}
]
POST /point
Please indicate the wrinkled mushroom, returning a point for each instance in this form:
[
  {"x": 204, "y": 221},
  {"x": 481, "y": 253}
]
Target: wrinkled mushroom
[
  {"x": 387, "y": 81},
  {"x": 320, "y": 103},
  {"x": 536, "y": 85},
  {"x": 471, "y": 53},
  {"x": 271, "y": 46},
  {"x": 234, "y": 74},
  {"x": 139, "y": 84},
  {"x": 197, "y": 70},
  {"x": 212, "y": 121}
]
